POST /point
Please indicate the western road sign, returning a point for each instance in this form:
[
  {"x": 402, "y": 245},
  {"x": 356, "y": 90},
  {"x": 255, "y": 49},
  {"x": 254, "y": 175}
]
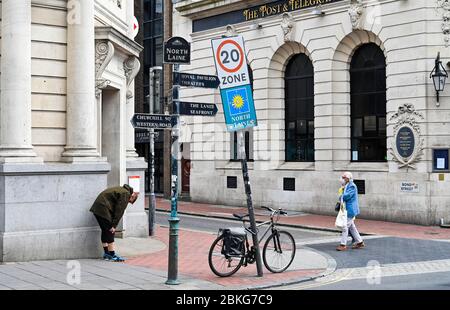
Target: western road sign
[
  {"x": 197, "y": 109},
  {"x": 155, "y": 121},
  {"x": 195, "y": 80}
]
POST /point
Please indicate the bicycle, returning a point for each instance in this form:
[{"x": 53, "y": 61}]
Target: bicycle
[{"x": 279, "y": 247}]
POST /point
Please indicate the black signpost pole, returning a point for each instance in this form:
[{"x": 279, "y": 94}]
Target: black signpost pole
[
  {"x": 151, "y": 158},
  {"x": 150, "y": 163},
  {"x": 248, "y": 192},
  {"x": 172, "y": 277}
]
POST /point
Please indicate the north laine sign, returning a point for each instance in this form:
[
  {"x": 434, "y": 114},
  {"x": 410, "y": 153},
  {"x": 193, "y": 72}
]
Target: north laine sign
[
  {"x": 177, "y": 51},
  {"x": 271, "y": 8}
]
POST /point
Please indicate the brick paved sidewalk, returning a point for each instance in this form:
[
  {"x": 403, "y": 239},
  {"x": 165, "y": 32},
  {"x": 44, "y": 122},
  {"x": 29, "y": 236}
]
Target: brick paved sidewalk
[
  {"x": 193, "y": 263},
  {"x": 321, "y": 222}
]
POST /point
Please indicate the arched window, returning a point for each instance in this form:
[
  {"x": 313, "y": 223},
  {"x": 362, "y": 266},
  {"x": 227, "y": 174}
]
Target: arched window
[
  {"x": 299, "y": 111},
  {"x": 368, "y": 104}
]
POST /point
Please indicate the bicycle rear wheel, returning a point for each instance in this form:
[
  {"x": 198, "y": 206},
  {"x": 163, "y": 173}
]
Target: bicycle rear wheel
[
  {"x": 222, "y": 266},
  {"x": 279, "y": 251}
]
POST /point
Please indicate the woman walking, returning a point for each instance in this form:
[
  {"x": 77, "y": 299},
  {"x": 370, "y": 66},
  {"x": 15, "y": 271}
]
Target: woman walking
[{"x": 350, "y": 198}]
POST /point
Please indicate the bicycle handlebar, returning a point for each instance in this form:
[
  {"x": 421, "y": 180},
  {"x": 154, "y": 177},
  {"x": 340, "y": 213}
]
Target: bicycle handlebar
[{"x": 274, "y": 211}]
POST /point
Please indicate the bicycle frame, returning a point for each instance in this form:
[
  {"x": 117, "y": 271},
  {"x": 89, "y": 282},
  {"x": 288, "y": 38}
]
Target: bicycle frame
[
  {"x": 271, "y": 227},
  {"x": 247, "y": 256}
]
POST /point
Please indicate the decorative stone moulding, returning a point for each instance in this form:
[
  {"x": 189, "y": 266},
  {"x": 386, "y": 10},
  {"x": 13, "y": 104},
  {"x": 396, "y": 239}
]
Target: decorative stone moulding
[
  {"x": 443, "y": 7},
  {"x": 407, "y": 145},
  {"x": 287, "y": 24},
  {"x": 355, "y": 12},
  {"x": 131, "y": 67},
  {"x": 104, "y": 52}
]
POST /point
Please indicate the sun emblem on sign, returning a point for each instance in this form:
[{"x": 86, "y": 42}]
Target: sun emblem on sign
[{"x": 238, "y": 102}]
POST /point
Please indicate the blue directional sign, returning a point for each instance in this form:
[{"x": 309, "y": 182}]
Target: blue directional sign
[{"x": 238, "y": 107}]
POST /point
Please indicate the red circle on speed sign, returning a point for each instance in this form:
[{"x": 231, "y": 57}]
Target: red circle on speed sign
[{"x": 241, "y": 56}]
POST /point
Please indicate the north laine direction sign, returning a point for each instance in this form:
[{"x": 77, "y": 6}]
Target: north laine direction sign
[
  {"x": 195, "y": 80},
  {"x": 197, "y": 109},
  {"x": 177, "y": 51},
  {"x": 152, "y": 121}
]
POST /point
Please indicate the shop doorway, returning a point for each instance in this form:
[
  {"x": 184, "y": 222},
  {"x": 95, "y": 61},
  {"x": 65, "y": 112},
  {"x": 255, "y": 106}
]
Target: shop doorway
[
  {"x": 110, "y": 133},
  {"x": 185, "y": 175}
]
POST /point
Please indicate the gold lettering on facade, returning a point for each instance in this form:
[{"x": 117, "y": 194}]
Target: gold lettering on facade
[{"x": 283, "y": 7}]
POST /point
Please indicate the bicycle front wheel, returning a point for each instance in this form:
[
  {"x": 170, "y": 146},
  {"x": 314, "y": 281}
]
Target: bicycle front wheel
[
  {"x": 221, "y": 265},
  {"x": 279, "y": 251}
]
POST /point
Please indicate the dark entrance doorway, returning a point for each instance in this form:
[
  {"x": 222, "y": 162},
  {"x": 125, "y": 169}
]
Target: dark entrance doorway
[
  {"x": 159, "y": 167},
  {"x": 185, "y": 175},
  {"x": 143, "y": 151}
]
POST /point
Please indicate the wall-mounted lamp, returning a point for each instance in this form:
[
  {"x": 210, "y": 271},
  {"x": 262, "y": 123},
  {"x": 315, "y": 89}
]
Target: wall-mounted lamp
[
  {"x": 439, "y": 75},
  {"x": 255, "y": 26},
  {"x": 318, "y": 11}
]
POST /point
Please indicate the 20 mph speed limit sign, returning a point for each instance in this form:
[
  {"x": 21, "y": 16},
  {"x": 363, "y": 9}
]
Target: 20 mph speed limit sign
[
  {"x": 235, "y": 85},
  {"x": 230, "y": 60}
]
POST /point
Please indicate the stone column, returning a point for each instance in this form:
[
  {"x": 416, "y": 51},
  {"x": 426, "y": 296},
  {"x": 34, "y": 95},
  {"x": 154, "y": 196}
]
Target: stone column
[
  {"x": 81, "y": 116},
  {"x": 131, "y": 67},
  {"x": 15, "y": 107}
]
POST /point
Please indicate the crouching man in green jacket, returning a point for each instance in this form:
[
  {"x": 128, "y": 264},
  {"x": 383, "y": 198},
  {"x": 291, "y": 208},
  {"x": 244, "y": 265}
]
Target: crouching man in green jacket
[{"x": 108, "y": 209}]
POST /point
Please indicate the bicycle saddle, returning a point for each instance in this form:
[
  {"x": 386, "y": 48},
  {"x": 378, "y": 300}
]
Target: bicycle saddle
[
  {"x": 237, "y": 231},
  {"x": 240, "y": 216}
]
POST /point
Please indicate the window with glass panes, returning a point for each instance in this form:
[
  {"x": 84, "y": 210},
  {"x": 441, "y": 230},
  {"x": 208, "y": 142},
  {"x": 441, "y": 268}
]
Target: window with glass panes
[
  {"x": 299, "y": 110},
  {"x": 153, "y": 40},
  {"x": 248, "y": 138},
  {"x": 368, "y": 104}
]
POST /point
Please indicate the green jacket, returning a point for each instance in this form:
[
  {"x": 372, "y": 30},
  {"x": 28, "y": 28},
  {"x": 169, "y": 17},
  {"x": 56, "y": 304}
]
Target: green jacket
[{"x": 111, "y": 203}]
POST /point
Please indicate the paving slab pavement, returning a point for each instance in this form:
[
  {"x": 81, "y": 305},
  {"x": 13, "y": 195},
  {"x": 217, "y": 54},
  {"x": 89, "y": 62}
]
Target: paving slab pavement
[
  {"x": 147, "y": 264},
  {"x": 312, "y": 221},
  {"x": 193, "y": 248}
]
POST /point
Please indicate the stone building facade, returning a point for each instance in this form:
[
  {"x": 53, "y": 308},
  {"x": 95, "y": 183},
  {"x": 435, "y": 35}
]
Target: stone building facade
[
  {"x": 67, "y": 71},
  {"x": 337, "y": 85}
]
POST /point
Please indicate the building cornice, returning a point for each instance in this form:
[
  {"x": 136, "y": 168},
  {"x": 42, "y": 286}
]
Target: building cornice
[
  {"x": 271, "y": 21},
  {"x": 202, "y": 8},
  {"x": 120, "y": 41},
  {"x": 50, "y": 4}
]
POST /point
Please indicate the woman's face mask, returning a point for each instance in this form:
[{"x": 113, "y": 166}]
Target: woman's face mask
[{"x": 342, "y": 181}]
